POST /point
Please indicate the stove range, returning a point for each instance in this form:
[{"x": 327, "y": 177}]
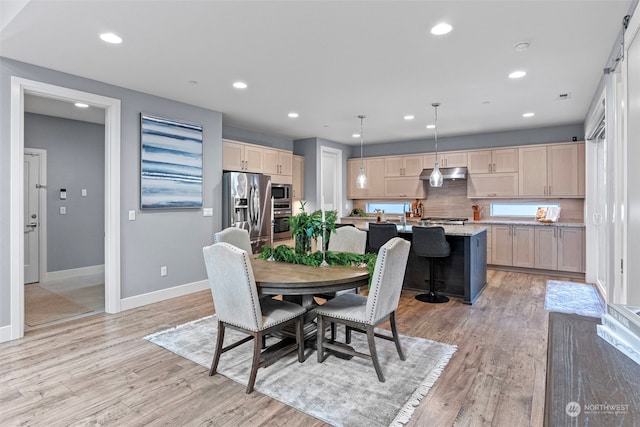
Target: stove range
[{"x": 445, "y": 221}]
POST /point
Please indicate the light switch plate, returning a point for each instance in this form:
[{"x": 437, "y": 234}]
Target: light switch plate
[
  {"x": 207, "y": 212},
  {"x": 84, "y": 192},
  {"x": 63, "y": 210},
  {"x": 132, "y": 215}
]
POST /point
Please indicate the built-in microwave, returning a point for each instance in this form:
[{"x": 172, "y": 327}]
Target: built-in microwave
[{"x": 281, "y": 193}]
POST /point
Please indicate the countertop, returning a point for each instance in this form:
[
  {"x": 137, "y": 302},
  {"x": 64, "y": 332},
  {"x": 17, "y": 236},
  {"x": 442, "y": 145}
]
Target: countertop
[
  {"x": 449, "y": 230},
  {"x": 485, "y": 222}
]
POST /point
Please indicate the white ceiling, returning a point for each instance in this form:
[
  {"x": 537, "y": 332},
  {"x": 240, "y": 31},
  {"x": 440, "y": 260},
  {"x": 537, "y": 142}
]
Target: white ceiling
[{"x": 332, "y": 60}]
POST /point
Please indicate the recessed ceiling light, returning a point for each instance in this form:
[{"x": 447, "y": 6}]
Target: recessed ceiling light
[
  {"x": 441, "y": 28},
  {"x": 409, "y": 117},
  {"x": 240, "y": 85},
  {"x": 293, "y": 115},
  {"x": 356, "y": 135},
  {"x": 528, "y": 114},
  {"x": 193, "y": 82},
  {"x": 521, "y": 46},
  {"x": 81, "y": 105},
  {"x": 517, "y": 74},
  {"x": 110, "y": 38},
  {"x": 431, "y": 126}
]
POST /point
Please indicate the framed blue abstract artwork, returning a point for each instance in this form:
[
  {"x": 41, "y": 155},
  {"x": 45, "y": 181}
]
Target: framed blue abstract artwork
[{"x": 170, "y": 164}]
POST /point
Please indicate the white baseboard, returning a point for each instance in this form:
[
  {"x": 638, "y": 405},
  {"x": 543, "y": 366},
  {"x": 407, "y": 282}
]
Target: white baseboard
[
  {"x": 5, "y": 333},
  {"x": 164, "y": 294},
  {"x": 75, "y": 272}
]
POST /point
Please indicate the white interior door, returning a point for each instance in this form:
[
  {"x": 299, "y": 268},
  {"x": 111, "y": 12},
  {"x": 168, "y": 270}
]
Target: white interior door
[
  {"x": 331, "y": 187},
  {"x": 631, "y": 266},
  {"x": 32, "y": 168},
  {"x": 600, "y": 215}
]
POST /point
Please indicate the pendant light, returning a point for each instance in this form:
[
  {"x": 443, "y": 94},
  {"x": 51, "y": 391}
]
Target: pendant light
[
  {"x": 361, "y": 181},
  {"x": 435, "y": 180}
]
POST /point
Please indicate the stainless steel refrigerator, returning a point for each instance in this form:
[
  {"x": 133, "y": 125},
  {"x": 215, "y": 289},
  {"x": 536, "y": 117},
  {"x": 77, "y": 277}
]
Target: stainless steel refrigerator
[{"x": 246, "y": 204}]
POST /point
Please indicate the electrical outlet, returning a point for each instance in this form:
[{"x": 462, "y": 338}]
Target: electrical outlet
[
  {"x": 63, "y": 210},
  {"x": 207, "y": 212},
  {"x": 163, "y": 270}
]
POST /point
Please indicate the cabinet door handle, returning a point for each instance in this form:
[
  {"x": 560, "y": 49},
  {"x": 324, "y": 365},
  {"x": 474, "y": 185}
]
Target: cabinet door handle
[
  {"x": 489, "y": 167},
  {"x": 549, "y": 190},
  {"x": 494, "y": 167}
]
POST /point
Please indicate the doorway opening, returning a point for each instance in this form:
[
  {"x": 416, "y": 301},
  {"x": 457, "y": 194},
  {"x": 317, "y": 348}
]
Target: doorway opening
[
  {"x": 70, "y": 238},
  {"x": 19, "y": 88}
]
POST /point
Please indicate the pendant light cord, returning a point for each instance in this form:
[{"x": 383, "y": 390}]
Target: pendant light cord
[
  {"x": 362, "y": 116},
  {"x": 435, "y": 105}
]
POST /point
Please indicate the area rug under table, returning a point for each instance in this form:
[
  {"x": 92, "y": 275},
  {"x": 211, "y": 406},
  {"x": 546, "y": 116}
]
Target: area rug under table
[
  {"x": 339, "y": 392},
  {"x": 572, "y": 297}
]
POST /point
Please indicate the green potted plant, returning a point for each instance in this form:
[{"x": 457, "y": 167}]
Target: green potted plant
[{"x": 307, "y": 226}]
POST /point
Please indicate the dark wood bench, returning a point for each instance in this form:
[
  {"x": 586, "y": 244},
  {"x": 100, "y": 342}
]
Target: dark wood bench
[{"x": 585, "y": 369}]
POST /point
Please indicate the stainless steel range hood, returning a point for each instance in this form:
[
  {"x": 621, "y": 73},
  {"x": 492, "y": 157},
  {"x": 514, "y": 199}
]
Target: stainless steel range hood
[{"x": 447, "y": 173}]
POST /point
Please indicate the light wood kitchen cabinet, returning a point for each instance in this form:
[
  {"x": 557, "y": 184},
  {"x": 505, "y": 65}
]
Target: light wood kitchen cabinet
[
  {"x": 241, "y": 157},
  {"x": 492, "y": 161},
  {"x": 546, "y": 248},
  {"x": 450, "y": 159},
  {"x": 297, "y": 176},
  {"x": 552, "y": 170},
  {"x": 523, "y": 246},
  {"x": 560, "y": 248},
  {"x": 571, "y": 249},
  {"x": 403, "y": 166},
  {"x": 404, "y": 187},
  {"x": 492, "y": 185},
  {"x": 513, "y": 245},
  {"x": 501, "y": 245},
  {"x": 278, "y": 164},
  {"x": 375, "y": 179}
]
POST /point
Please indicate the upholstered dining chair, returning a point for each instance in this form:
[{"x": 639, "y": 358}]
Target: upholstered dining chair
[
  {"x": 348, "y": 239},
  {"x": 363, "y": 314},
  {"x": 237, "y": 306},
  {"x": 236, "y": 236},
  {"x": 379, "y": 234},
  {"x": 345, "y": 239}
]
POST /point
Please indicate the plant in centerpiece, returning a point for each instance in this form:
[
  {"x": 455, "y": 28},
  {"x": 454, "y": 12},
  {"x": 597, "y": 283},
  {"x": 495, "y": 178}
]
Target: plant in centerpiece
[
  {"x": 307, "y": 226},
  {"x": 284, "y": 253}
]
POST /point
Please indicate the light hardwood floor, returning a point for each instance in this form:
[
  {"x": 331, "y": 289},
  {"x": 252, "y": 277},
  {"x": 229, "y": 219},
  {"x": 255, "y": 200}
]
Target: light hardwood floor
[{"x": 99, "y": 370}]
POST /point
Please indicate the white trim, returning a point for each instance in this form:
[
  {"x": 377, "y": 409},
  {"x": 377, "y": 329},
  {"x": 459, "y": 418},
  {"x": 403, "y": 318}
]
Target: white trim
[
  {"x": 20, "y": 86},
  {"x": 75, "y": 272},
  {"x": 42, "y": 211},
  {"x": 163, "y": 294},
  {"x": 5, "y": 333}
]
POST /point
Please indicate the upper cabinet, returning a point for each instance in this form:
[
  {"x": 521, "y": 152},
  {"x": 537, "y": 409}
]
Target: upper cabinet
[
  {"x": 297, "y": 186},
  {"x": 277, "y": 162},
  {"x": 375, "y": 179},
  {"x": 555, "y": 170},
  {"x": 403, "y": 166},
  {"x": 237, "y": 156},
  {"x": 451, "y": 159},
  {"x": 242, "y": 157},
  {"x": 492, "y": 161}
]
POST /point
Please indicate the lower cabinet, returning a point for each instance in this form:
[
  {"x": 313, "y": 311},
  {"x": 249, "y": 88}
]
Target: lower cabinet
[
  {"x": 512, "y": 245},
  {"x": 540, "y": 247}
]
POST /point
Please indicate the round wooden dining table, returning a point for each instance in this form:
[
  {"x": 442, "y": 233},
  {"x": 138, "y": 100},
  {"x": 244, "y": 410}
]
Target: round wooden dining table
[{"x": 299, "y": 283}]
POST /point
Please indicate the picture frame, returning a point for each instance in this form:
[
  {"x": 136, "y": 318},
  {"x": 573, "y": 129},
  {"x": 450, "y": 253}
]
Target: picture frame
[{"x": 170, "y": 163}]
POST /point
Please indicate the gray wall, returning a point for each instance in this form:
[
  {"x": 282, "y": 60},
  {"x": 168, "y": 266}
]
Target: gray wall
[
  {"x": 251, "y": 137},
  {"x": 75, "y": 161},
  {"x": 170, "y": 237},
  {"x": 542, "y": 135}
]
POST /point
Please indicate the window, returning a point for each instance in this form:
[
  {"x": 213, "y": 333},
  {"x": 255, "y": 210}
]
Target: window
[
  {"x": 517, "y": 209},
  {"x": 389, "y": 208}
]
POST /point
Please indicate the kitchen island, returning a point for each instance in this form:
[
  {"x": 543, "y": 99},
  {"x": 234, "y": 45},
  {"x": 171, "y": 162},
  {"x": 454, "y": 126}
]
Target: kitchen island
[{"x": 462, "y": 274}]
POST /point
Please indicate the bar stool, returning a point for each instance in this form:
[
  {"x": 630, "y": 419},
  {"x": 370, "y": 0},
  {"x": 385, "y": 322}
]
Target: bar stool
[
  {"x": 430, "y": 242},
  {"x": 379, "y": 234}
]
